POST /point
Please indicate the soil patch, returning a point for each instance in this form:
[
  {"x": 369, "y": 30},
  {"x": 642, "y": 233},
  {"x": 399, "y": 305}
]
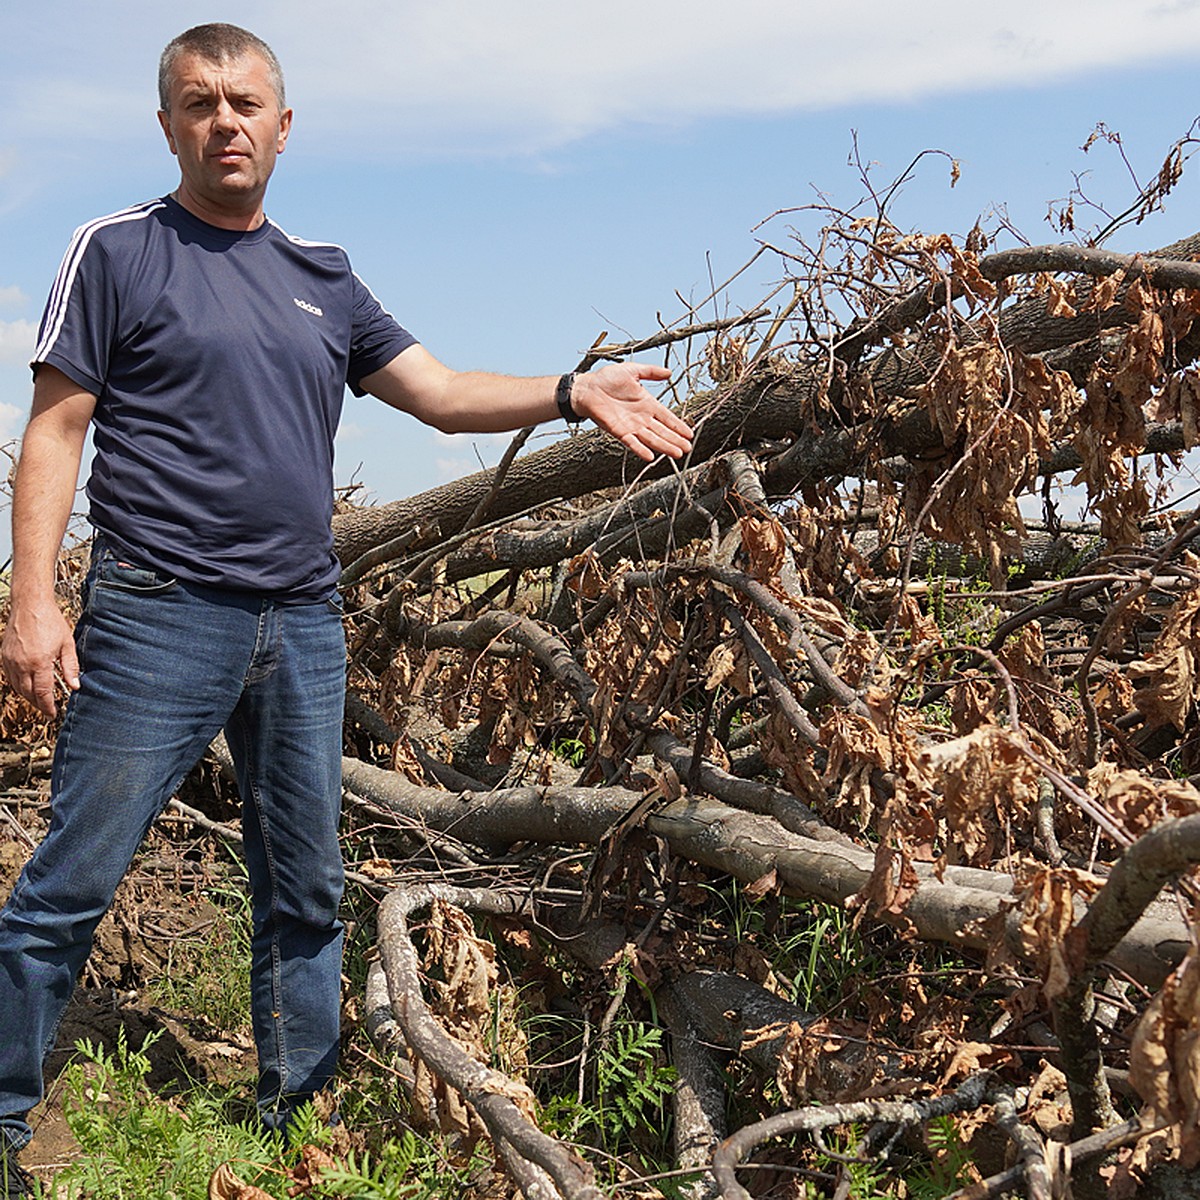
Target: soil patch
[{"x": 159, "y": 912}]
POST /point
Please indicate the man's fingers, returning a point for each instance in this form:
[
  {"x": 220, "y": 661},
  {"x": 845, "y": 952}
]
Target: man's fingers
[
  {"x": 40, "y": 691},
  {"x": 677, "y": 423},
  {"x": 667, "y": 434},
  {"x": 38, "y": 682},
  {"x": 632, "y": 443},
  {"x": 679, "y": 432},
  {"x": 70, "y": 665},
  {"x": 650, "y": 370},
  {"x": 676, "y": 447},
  {"x": 650, "y": 440}
]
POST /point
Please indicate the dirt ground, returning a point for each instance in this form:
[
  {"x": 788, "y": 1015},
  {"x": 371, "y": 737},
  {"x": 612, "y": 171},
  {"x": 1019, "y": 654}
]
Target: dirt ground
[
  {"x": 179, "y": 1059},
  {"x": 159, "y": 906}
]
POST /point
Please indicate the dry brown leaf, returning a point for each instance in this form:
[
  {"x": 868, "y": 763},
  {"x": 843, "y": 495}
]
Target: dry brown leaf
[
  {"x": 1104, "y": 292},
  {"x": 803, "y": 1060},
  {"x": 376, "y": 868},
  {"x": 762, "y": 886},
  {"x": 585, "y": 576},
  {"x": 519, "y": 1093},
  {"x": 970, "y": 498},
  {"x": 751, "y": 963},
  {"x": 1049, "y": 1105},
  {"x": 1150, "y": 1060},
  {"x": 765, "y": 544},
  {"x": 468, "y": 968},
  {"x": 986, "y": 780},
  {"x": 1113, "y": 697},
  {"x": 964, "y": 264},
  {"x": 307, "y": 1172},
  {"x": 849, "y": 736},
  {"x": 726, "y": 357},
  {"x": 1126, "y": 1178},
  {"x": 971, "y": 1057},
  {"x": 782, "y": 749},
  {"x": 1164, "y": 1059},
  {"x": 1139, "y": 361},
  {"x": 892, "y": 884},
  {"x": 1170, "y": 676},
  {"x": 460, "y": 999},
  {"x": 1110, "y": 425},
  {"x": 225, "y": 1184},
  {"x": 729, "y": 664},
  {"x": 1179, "y": 401},
  {"x": 1138, "y": 803},
  {"x": 1047, "y": 914},
  {"x": 922, "y": 629},
  {"x": 973, "y": 701},
  {"x": 1060, "y": 298}
]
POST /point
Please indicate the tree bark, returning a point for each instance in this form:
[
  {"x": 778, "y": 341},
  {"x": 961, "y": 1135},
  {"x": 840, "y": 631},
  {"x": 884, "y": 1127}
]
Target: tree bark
[{"x": 746, "y": 845}]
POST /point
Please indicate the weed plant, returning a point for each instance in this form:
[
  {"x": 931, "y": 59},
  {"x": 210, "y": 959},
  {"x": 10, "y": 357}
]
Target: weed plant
[
  {"x": 627, "y": 1109},
  {"x": 933, "y": 1175},
  {"x": 815, "y": 948},
  {"x": 209, "y": 976},
  {"x": 137, "y": 1146}
]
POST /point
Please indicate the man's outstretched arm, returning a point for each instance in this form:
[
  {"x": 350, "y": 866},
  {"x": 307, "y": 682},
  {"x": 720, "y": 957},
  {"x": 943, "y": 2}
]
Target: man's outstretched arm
[
  {"x": 38, "y": 639},
  {"x": 480, "y": 402}
]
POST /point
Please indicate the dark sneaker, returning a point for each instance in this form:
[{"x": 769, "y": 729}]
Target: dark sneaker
[{"x": 14, "y": 1181}]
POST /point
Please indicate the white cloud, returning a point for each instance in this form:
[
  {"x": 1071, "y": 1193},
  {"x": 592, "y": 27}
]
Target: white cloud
[
  {"x": 526, "y": 75},
  {"x": 393, "y": 78},
  {"x": 12, "y": 421},
  {"x": 17, "y": 341},
  {"x": 12, "y": 297},
  {"x": 450, "y": 469},
  {"x": 488, "y": 446}
]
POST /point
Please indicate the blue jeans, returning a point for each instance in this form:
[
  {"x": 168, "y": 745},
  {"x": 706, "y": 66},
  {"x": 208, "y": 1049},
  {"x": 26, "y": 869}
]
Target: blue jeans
[{"x": 165, "y": 666}]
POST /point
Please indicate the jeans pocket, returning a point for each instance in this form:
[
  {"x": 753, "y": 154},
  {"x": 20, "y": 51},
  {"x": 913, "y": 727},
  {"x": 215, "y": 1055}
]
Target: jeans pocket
[{"x": 122, "y": 575}]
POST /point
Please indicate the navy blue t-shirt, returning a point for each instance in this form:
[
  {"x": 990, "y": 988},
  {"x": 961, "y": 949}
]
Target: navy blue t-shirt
[{"x": 218, "y": 360}]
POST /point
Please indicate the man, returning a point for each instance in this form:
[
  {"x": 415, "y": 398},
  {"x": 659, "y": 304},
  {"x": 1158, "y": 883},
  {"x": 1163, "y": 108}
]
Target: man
[{"x": 209, "y": 350}]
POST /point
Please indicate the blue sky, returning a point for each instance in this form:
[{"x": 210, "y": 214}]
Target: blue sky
[{"x": 512, "y": 178}]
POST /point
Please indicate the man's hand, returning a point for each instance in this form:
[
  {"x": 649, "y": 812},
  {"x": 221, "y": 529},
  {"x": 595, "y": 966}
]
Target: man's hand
[
  {"x": 37, "y": 640},
  {"x": 38, "y": 647},
  {"x": 615, "y": 399}
]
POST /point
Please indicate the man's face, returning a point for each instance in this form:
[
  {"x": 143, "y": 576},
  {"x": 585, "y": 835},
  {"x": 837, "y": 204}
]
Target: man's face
[{"x": 226, "y": 129}]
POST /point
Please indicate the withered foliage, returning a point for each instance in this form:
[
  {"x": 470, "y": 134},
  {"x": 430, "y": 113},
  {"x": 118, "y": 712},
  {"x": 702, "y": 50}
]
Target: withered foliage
[
  {"x": 858, "y": 615},
  {"x": 866, "y": 599}
]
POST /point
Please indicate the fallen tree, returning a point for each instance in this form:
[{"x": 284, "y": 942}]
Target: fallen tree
[
  {"x": 659, "y": 614},
  {"x": 822, "y": 674}
]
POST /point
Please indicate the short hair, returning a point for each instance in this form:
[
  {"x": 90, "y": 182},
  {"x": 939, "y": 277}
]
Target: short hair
[{"x": 218, "y": 43}]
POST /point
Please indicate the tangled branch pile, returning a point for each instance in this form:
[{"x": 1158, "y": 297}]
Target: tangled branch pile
[{"x": 831, "y": 657}]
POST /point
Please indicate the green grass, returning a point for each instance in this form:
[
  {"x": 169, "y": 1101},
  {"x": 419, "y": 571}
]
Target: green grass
[
  {"x": 616, "y": 1107},
  {"x": 815, "y": 947},
  {"x": 934, "y": 1173},
  {"x": 208, "y": 975},
  {"x": 138, "y": 1146}
]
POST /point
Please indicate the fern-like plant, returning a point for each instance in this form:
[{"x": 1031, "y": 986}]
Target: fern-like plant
[
  {"x": 632, "y": 1084},
  {"x": 949, "y": 1170}
]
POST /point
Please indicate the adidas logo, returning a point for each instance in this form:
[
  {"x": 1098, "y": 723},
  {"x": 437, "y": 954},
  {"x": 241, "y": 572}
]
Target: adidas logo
[{"x": 310, "y": 308}]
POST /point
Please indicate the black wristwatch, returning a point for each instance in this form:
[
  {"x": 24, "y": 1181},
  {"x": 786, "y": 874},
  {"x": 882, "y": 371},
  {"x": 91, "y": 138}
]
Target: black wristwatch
[{"x": 562, "y": 397}]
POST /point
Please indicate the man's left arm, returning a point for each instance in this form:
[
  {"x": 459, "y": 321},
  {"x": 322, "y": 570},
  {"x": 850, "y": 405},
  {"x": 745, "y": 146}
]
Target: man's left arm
[{"x": 480, "y": 402}]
